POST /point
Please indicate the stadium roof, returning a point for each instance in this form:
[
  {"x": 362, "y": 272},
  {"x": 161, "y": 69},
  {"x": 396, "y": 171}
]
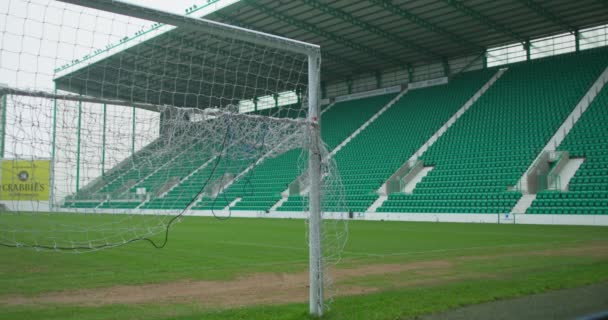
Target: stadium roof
[
  {"x": 358, "y": 37},
  {"x": 364, "y": 36}
]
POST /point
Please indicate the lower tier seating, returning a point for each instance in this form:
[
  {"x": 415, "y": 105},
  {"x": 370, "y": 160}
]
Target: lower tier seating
[
  {"x": 261, "y": 188},
  {"x": 368, "y": 160},
  {"x": 491, "y": 145},
  {"x": 588, "y": 189}
]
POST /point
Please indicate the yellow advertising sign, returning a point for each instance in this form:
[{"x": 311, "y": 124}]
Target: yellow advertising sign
[{"x": 25, "y": 180}]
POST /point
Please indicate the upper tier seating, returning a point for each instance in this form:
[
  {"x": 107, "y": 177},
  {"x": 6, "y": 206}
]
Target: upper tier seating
[
  {"x": 375, "y": 154},
  {"x": 184, "y": 193},
  {"x": 261, "y": 188},
  {"x": 159, "y": 165},
  {"x": 476, "y": 162},
  {"x": 186, "y": 161},
  {"x": 129, "y": 171},
  {"x": 135, "y": 168},
  {"x": 492, "y": 145},
  {"x": 588, "y": 190}
]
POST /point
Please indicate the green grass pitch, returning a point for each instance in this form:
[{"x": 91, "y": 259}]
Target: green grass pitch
[{"x": 389, "y": 270}]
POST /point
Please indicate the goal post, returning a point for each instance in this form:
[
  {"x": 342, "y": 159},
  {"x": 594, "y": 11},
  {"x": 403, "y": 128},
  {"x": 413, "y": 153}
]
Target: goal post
[
  {"x": 198, "y": 76},
  {"x": 315, "y": 157},
  {"x": 2, "y": 122}
]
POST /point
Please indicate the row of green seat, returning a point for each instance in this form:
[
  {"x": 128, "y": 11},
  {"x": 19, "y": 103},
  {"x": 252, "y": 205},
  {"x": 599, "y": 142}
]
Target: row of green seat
[
  {"x": 81, "y": 204},
  {"x": 489, "y": 148},
  {"x": 476, "y": 162},
  {"x": 119, "y": 205},
  {"x": 368, "y": 160},
  {"x": 588, "y": 190},
  {"x": 567, "y": 210},
  {"x": 261, "y": 187},
  {"x": 187, "y": 191},
  {"x": 451, "y": 208}
]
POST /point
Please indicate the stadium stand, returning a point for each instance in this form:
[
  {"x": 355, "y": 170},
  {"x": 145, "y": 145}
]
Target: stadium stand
[
  {"x": 489, "y": 148},
  {"x": 212, "y": 170},
  {"x": 143, "y": 164},
  {"x": 477, "y": 162},
  {"x": 375, "y": 154},
  {"x": 588, "y": 190},
  {"x": 261, "y": 188},
  {"x": 117, "y": 180},
  {"x": 258, "y": 189},
  {"x": 179, "y": 167}
]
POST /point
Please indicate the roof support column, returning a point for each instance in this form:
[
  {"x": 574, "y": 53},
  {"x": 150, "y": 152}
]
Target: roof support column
[
  {"x": 378, "y": 75},
  {"x": 323, "y": 89},
  {"x": 298, "y": 94},
  {"x": 410, "y": 73},
  {"x": 349, "y": 85},
  {"x": 3, "y": 133},
  {"x": 446, "y": 67},
  {"x": 133, "y": 133},
  {"x": 53, "y": 141},
  {"x": 527, "y": 47},
  {"x": 484, "y": 58},
  {"x": 78, "y": 146},
  {"x": 577, "y": 40},
  {"x": 103, "y": 142}
]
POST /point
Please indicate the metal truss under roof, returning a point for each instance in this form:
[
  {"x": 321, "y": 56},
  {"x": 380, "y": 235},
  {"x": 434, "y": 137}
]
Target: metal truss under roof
[{"x": 358, "y": 36}]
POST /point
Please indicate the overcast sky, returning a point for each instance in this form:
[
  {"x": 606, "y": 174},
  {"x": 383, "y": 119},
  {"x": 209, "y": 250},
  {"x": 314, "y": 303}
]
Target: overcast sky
[{"x": 38, "y": 36}]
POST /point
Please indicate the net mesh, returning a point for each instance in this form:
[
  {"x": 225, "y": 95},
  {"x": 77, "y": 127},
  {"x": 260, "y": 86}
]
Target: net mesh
[{"x": 114, "y": 127}]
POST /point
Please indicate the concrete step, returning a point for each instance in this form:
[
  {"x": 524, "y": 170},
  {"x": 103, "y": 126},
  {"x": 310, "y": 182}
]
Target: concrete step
[
  {"x": 279, "y": 203},
  {"x": 568, "y": 171},
  {"x": 524, "y": 203},
  {"x": 233, "y": 203},
  {"x": 565, "y": 128},
  {"x": 411, "y": 185},
  {"x": 377, "y": 204}
]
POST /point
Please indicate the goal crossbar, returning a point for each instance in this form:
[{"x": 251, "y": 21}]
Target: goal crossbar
[
  {"x": 200, "y": 24},
  {"x": 148, "y": 106}
]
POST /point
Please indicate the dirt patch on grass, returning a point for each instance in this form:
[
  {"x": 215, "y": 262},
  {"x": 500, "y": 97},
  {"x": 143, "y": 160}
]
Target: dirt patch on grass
[
  {"x": 260, "y": 288},
  {"x": 279, "y": 288}
]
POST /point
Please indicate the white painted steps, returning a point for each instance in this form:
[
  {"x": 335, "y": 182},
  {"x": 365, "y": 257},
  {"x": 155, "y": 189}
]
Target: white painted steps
[
  {"x": 367, "y": 123},
  {"x": 328, "y": 107},
  {"x": 565, "y": 174},
  {"x": 249, "y": 168},
  {"x": 180, "y": 182},
  {"x": 566, "y": 126},
  {"x": 304, "y": 191},
  {"x": 578, "y": 111},
  {"x": 233, "y": 203},
  {"x": 457, "y": 115},
  {"x": 377, "y": 204},
  {"x": 411, "y": 185},
  {"x": 524, "y": 203},
  {"x": 279, "y": 203},
  {"x": 568, "y": 171}
]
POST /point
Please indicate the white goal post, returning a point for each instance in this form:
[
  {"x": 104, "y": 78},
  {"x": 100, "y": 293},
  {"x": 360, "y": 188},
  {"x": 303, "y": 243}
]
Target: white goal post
[
  {"x": 314, "y": 82},
  {"x": 275, "y": 70}
]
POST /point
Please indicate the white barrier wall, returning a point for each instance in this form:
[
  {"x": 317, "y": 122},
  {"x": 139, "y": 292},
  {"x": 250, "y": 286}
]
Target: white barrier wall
[
  {"x": 367, "y": 94},
  {"x": 503, "y": 218},
  {"x": 34, "y": 206}
]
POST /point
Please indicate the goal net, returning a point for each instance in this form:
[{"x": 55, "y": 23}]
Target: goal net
[{"x": 119, "y": 120}]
